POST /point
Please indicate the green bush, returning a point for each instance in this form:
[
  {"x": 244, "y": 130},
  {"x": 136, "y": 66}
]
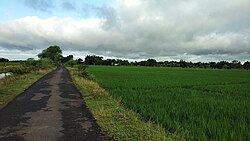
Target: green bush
[
  {"x": 31, "y": 62},
  {"x": 44, "y": 63}
]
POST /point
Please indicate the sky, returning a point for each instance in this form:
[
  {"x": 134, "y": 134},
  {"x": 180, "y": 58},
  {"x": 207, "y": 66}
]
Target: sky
[{"x": 193, "y": 30}]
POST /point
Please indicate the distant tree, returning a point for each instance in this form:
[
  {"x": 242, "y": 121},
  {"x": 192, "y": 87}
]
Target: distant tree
[
  {"x": 79, "y": 61},
  {"x": 4, "y": 60},
  {"x": 98, "y": 60},
  {"x": 68, "y": 58},
  {"x": 223, "y": 65},
  {"x": 198, "y": 65},
  {"x": 212, "y": 65},
  {"x": 172, "y": 64},
  {"x": 183, "y": 63},
  {"x": 151, "y": 62},
  {"x": 142, "y": 63},
  {"x": 93, "y": 60},
  {"x": 31, "y": 62},
  {"x": 109, "y": 62},
  {"x": 162, "y": 64},
  {"x": 122, "y": 62},
  {"x": 53, "y": 53},
  {"x": 235, "y": 64},
  {"x": 135, "y": 63},
  {"x": 246, "y": 65},
  {"x": 190, "y": 64}
]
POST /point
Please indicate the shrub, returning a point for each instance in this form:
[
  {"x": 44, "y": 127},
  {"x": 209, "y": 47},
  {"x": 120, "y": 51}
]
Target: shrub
[{"x": 31, "y": 62}]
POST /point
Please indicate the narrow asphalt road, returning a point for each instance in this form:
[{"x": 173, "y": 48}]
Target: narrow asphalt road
[{"x": 50, "y": 110}]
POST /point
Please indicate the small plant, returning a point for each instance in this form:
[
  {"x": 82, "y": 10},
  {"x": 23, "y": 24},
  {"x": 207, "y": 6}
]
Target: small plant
[{"x": 83, "y": 72}]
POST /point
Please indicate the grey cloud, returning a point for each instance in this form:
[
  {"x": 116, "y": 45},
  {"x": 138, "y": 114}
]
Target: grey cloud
[
  {"x": 110, "y": 16},
  {"x": 42, "y": 5}
]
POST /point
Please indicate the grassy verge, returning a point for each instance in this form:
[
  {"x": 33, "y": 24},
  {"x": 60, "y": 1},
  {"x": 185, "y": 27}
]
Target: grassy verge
[
  {"x": 114, "y": 118},
  {"x": 13, "y": 85}
]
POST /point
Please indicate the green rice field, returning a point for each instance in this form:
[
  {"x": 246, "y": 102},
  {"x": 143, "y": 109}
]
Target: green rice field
[{"x": 200, "y": 104}]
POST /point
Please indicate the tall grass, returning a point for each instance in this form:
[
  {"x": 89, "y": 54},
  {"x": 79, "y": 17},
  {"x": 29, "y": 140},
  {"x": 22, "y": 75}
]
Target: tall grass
[{"x": 201, "y": 104}]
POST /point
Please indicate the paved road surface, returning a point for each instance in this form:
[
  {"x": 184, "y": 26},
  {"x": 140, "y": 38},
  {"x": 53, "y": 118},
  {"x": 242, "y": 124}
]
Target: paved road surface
[{"x": 50, "y": 110}]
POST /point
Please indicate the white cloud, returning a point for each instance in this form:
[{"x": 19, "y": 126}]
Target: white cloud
[
  {"x": 132, "y": 3},
  {"x": 136, "y": 29}
]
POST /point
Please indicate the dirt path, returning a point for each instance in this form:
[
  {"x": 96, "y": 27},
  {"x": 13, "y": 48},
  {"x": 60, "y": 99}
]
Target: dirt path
[{"x": 50, "y": 110}]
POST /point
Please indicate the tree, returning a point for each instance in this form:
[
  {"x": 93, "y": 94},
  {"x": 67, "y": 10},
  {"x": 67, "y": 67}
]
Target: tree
[
  {"x": 109, "y": 62},
  {"x": 151, "y": 62},
  {"x": 53, "y": 53},
  {"x": 31, "y": 62},
  {"x": 93, "y": 60},
  {"x": 235, "y": 64},
  {"x": 183, "y": 63},
  {"x": 223, "y": 65},
  {"x": 212, "y": 65},
  {"x": 68, "y": 58},
  {"x": 4, "y": 60},
  {"x": 246, "y": 65},
  {"x": 79, "y": 61}
]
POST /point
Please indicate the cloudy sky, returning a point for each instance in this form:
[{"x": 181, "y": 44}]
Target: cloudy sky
[{"x": 194, "y": 30}]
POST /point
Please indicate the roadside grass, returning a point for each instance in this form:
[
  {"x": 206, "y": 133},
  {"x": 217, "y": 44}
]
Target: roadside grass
[
  {"x": 119, "y": 122},
  {"x": 13, "y": 85}
]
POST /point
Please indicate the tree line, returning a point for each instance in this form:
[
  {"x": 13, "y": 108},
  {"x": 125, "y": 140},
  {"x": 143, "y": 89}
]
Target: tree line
[
  {"x": 53, "y": 54},
  {"x": 98, "y": 60}
]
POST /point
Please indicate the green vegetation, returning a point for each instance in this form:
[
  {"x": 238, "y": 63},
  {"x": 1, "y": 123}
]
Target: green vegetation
[
  {"x": 113, "y": 117},
  {"x": 200, "y": 104},
  {"x": 9, "y": 63},
  {"x": 13, "y": 85},
  {"x": 54, "y": 53}
]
